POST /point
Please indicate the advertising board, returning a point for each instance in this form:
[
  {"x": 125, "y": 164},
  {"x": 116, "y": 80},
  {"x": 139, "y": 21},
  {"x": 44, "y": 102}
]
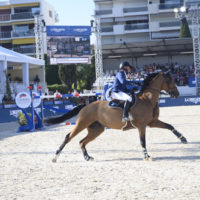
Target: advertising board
[{"x": 68, "y": 44}]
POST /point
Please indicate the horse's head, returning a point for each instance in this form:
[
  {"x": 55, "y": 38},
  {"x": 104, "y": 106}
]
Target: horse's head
[{"x": 169, "y": 86}]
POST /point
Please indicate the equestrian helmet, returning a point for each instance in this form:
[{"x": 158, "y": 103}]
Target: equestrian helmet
[{"x": 123, "y": 64}]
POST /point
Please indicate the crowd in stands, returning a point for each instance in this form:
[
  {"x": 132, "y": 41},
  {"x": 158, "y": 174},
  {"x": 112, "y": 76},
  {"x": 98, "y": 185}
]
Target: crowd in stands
[{"x": 180, "y": 73}]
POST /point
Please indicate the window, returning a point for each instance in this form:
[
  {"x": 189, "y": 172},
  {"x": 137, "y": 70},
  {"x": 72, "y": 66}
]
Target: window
[
  {"x": 36, "y": 11},
  {"x": 21, "y": 28},
  {"x": 22, "y": 10}
]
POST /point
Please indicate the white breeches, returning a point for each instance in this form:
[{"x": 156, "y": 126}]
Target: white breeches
[{"x": 121, "y": 96}]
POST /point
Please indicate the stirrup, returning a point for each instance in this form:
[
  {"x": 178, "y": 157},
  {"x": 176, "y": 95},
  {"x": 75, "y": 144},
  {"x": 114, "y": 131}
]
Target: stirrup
[{"x": 125, "y": 119}]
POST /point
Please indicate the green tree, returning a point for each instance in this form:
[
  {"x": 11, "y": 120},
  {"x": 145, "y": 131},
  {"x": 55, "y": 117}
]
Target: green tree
[
  {"x": 51, "y": 72},
  {"x": 86, "y": 75},
  {"x": 78, "y": 77},
  {"x": 184, "y": 30},
  {"x": 68, "y": 75},
  {"x": 8, "y": 91}
]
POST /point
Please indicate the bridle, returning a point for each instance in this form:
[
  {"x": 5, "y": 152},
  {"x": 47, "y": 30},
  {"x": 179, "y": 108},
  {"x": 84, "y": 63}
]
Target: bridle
[{"x": 170, "y": 90}]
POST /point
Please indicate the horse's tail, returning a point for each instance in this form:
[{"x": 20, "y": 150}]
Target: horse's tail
[{"x": 68, "y": 115}]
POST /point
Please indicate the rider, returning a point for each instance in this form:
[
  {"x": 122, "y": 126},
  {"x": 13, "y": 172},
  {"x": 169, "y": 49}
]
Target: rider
[{"x": 120, "y": 91}]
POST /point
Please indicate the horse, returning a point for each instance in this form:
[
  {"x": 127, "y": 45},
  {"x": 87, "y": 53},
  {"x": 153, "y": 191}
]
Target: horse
[{"x": 98, "y": 115}]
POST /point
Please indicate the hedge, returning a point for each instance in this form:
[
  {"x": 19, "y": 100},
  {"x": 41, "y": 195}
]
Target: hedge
[{"x": 63, "y": 89}]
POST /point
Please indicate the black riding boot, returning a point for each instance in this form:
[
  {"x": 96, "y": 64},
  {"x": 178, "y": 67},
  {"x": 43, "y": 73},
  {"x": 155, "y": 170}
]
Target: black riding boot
[{"x": 125, "y": 112}]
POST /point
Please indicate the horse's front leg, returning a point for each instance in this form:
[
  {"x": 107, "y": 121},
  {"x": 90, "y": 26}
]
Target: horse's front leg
[
  {"x": 160, "y": 124},
  {"x": 142, "y": 134}
]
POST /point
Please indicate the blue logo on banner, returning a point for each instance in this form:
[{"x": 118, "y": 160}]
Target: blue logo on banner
[{"x": 68, "y": 30}]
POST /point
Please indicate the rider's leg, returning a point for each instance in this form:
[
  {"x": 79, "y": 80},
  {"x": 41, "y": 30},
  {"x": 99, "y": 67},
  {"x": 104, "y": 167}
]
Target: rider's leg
[
  {"x": 125, "y": 112},
  {"x": 128, "y": 99}
]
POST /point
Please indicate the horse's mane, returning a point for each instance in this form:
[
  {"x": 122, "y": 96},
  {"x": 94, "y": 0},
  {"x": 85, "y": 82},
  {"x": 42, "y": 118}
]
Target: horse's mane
[{"x": 147, "y": 81}]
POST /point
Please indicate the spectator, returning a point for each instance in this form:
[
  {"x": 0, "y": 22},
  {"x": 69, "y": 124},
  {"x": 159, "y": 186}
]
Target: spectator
[
  {"x": 57, "y": 93},
  {"x": 180, "y": 73},
  {"x": 9, "y": 77},
  {"x": 36, "y": 79}
]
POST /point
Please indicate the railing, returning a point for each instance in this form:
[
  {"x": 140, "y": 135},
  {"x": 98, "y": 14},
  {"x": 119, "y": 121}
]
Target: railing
[
  {"x": 27, "y": 15},
  {"x": 6, "y": 34},
  {"x": 107, "y": 29},
  {"x": 192, "y": 3},
  {"x": 30, "y": 50},
  {"x": 4, "y": 18},
  {"x": 24, "y": 33},
  {"x": 137, "y": 9},
  {"x": 165, "y": 35},
  {"x": 170, "y": 24},
  {"x": 103, "y": 12},
  {"x": 164, "y": 6},
  {"x": 136, "y": 26}
]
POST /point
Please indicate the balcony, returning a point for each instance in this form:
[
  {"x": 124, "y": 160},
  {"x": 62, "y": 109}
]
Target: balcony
[
  {"x": 170, "y": 24},
  {"x": 107, "y": 29},
  {"x": 103, "y": 12},
  {"x": 18, "y": 16},
  {"x": 165, "y": 35},
  {"x": 192, "y": 3},
  {"x": 29, "y": 33},
  {"x": 4, "y": 18},
  {"x": 166, "y": 6},
  {"x": 5, "y": 35},
  {"x": 137, "y": 9},
  {"x": 131, "y": 27},
  {"x": 29, "y": 50}
]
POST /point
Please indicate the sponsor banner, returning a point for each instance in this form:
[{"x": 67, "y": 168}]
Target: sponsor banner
[
  {"x": 181, "y": 101},
  {"x": 55, "y": 61},
  {"x": 11, "y": 114},
  {"x": 23, "y": 100},
  {"x": 68, "y": 30},
  {"x": 36, "y": 101}
]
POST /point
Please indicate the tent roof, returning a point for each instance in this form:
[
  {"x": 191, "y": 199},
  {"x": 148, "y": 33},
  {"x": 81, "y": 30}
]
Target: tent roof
[
  {"x": 12, "y": 56},
  {"x": 138, "y": 49}
]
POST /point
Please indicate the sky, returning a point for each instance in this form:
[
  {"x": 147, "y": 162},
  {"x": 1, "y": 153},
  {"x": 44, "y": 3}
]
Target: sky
[{"x": 73, "y": 12}]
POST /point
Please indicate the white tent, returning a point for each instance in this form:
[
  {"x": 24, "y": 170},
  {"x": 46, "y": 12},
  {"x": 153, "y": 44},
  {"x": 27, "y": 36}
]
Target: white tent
[
  {"x": 28, "y": 66},
  {"x": 12, "y": 56}
]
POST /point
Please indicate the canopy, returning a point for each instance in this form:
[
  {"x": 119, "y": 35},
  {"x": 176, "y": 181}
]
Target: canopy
[{"x": 12, "y": 56}]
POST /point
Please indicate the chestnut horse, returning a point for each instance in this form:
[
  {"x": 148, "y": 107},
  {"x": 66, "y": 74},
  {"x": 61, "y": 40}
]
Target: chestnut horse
[{"x": 98, "y": 115}]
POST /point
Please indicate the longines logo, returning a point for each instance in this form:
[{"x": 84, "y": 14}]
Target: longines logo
[
  {"x": 193, "y": 100},
  {"x": 58, "y": 30},
  {"x": 162, "y": 101},
  {"x": 80, "y": 30}
]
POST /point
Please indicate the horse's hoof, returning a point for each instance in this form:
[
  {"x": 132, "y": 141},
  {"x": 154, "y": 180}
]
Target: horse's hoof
[
  {"x": 54, "y": 160},
  {"x": 184, "y": 141},
  {"x": 88, "y": 158},
  {"x": 91, "y": 159},
  {"x": 148, "y": 159}
]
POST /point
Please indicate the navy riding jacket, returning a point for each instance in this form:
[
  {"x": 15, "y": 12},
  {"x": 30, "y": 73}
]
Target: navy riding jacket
[{"x": 120, "y": 83}]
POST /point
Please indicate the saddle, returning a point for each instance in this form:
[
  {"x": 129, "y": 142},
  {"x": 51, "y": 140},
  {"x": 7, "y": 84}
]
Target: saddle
[{"x": 114, "y": 103}]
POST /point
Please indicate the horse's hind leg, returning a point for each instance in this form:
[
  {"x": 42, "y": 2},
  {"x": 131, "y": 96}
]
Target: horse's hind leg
[
  {"x": 160, "y": 124},
  {"x": 94, "y": 131},
  {"x": 77, "y": 129}
]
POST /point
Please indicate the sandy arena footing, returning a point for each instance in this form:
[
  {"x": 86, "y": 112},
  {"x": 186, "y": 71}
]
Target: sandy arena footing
[{"x": 118, "y": 172}]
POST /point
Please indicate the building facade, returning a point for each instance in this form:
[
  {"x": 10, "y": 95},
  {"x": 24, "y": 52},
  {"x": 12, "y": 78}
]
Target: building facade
[
  {"x": 142, "y": 32},
  {"x": 17, "y": 23}
]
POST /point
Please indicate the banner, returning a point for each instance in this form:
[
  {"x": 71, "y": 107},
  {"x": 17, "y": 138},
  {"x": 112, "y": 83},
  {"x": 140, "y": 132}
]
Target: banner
[{"x": 68, "y": 44}]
